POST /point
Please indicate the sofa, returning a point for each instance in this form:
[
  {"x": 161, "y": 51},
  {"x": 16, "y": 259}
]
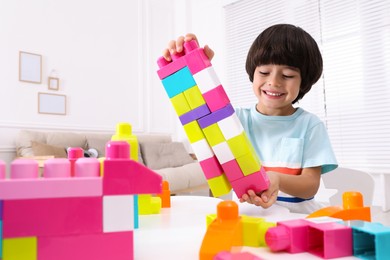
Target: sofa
[{"x": 157, "y": 151}]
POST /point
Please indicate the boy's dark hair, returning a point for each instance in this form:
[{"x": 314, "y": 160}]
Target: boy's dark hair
[{"x": 286, "y": 44}]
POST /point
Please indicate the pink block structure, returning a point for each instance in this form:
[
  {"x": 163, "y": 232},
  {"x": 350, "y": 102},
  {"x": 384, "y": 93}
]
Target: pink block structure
[
  {"x": 232, "y": 170},
  {"x": 66, "y": 213},
  {"x": 74, "y": 153},
  {"x": 216, "y": 98},
  {"x": 116, "y": 246},
  {"x": 211, "y": 167},
  {"x": 326, "y": 240},
  {"x": 236, "y": 256},
  {"x": 2, "y": 170},
  {"x": 257, "y": 181}
]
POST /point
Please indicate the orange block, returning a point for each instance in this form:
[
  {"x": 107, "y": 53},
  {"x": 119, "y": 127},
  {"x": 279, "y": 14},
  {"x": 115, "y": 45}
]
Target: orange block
[
  {"x": 224, "y": 232},
  {"x": 165, "y": 195},
  {"x": 352, "y": 209}
]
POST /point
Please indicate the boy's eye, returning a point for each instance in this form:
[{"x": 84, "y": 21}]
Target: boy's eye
[
  {"x": 263, "y": 73},
  {"x": 288, "y": 76}
]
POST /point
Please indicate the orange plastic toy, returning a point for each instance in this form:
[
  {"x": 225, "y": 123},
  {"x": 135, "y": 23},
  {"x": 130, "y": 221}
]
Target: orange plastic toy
[
  {"x": 165, "y": 195},
  {"x": 352, "y": 209}
]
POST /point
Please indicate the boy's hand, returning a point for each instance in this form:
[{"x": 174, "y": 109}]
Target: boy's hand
[
  {"x": 267, "y": 197},
  {"x": 177, "y": 47}
]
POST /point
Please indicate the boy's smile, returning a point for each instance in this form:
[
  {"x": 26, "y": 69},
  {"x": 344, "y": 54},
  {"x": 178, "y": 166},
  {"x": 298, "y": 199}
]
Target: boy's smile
[{"x": 276, "y": 87}]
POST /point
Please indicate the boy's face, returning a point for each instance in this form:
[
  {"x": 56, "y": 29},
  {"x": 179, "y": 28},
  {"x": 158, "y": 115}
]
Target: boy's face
[{"x": 276, "y": 87}]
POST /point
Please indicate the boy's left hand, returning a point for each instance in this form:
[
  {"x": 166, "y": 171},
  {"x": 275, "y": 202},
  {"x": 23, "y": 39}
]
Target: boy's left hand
[{"x": 266, "y": 198}]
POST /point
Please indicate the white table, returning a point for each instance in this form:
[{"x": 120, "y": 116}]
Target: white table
[{"x": 177, "y": 232}]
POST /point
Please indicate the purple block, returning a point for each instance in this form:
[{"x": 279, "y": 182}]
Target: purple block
[
  {"x": 1, "y": 209},
  {"x": 216, "y": 116},
  {"x": 194, "y": 114}
]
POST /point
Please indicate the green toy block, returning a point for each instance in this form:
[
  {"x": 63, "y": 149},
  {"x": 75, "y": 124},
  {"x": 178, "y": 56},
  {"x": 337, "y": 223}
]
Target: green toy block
[
  {"x": 239, "y": 145},
  {"x": 219, "y": 185},
  {"x": 24, "y": 248},
  {"x": 249, "y": 164},
  {"x": 180, "y": 104},
  {"x": 194, "y": 97},
  {"x": 193, "y": 131},
  {"x": 213, "y": 134}
]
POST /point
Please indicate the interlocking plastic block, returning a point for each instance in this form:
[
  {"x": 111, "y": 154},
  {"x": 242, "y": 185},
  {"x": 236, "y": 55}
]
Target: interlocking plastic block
[
  {"x": 223, "y": 233},
  {"x": 352, "y": 209},
  {"x": 257, "y": 181},
  {"x": 180, "y": 104},
  {"x": 249, "y": 163},
  {"x": 124, "y": 133},
  {"x": 178, "y": 82},
  {"x": 207, "y": 80},
  {"x": 194, "y": 97},
  {"x": 370, "y": 240},
  {"x": 211, "y": 167},
  {"x": 254, "y": 230},
  {"x": 223, "y": 152},
  {"x": 165, "y": 196},
  {"x": 1, "y": 209},
  {"x": 330, "y": 240},
  {"x": 87, "y": 167},
  {"x": 216, "y": 98},
  {"x": 216, "y": 116},
  {"x": 219, "y": 185},
  {"x": 24, "y": 169},
  {"x": 202, "y": 150},
  {"x": 194, "y": 132},
  {"x": 230, "y": 126},
  {"x": 168, "y": 68},
  {"x": 118, "y": 213},
  {"x": 122, "y": 176},
  {"x": 213, "y": 135},
  {"x": 236, "y": 256},
  {"x": 58, "y": 216},
  {"x": 239, "y": 145},
  {"x": 24, "y": 248},
  {"x": 148, "y": 204},
  {"x": 103, "y": 246},
  {"x": 2, "y": 170},
  {"x": 232, "y": 170},
  {"x": 74, "y": 153},
  {"x": 1, "y": 239},
  {"x": 194, "y": 114}
]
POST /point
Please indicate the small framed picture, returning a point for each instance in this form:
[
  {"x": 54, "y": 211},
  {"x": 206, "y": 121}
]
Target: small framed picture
[
  {"x": 53, "y": 83},
  {"x": 30, "y": 67},
  {"x": 51, "y": 104}
]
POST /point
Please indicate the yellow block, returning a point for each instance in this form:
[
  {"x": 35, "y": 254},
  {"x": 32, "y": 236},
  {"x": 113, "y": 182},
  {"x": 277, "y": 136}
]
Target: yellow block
[
  {"x": 193, "y": 131},
  {"x": 219, "y": 185},
  {"x": 180, "y": 104},
  {"x": 147, "y": 204},
  {"x": 213, "y": 134},
  {"x": 239, "y": 145},
  {"x": 254, "y": 230},
  {"x": 210, "y": 218},
  {"x": 24, "y": 248},
  {"x": 194, "y": 97},
  {"x": 249, "y": 163},
  {"x": 123, "y": 133}
]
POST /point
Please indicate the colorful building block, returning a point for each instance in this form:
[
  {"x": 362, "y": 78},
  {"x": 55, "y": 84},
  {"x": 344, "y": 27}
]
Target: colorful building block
[
  {"x": 236, "y": 256},
  {"x": 74, "y": 153},
  {"x": 61, "y": 217},
  {"x": 370, "y": 240},
  {"x": 209, "y": 121},
  {"x": 165, "y": 195},
  {"x": 352, "y": 209}
]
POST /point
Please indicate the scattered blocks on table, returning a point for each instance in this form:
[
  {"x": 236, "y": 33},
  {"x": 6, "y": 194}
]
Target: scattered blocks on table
[
  {"x": 208, "y": 119},
  {"x": 165, "y": 196}
]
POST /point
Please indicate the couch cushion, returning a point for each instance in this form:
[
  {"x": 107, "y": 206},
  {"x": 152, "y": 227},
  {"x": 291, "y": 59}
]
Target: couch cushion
[
  {"x": 41, "y": 149},
  {"x": 165, "y": 155},
  {"x": 23, "y": 142},
  {"x": 65, "y": 139}
]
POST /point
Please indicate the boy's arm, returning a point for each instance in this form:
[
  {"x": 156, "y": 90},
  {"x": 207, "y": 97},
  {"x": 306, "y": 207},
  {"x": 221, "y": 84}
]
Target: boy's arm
[{"x": 303, "y": 186}]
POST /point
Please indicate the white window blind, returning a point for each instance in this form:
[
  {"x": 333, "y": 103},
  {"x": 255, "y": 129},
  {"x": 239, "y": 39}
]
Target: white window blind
[{"x": 353, "y": 95}]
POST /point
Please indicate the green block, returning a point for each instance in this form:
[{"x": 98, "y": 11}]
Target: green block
[{"x": 213, "y": 134}]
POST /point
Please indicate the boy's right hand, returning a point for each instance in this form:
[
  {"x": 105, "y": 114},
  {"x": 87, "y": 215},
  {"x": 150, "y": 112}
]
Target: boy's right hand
[{"x": 177, "y": 47}]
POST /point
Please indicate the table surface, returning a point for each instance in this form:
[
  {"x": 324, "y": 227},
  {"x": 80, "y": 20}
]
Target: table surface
[{"x": 177, "y": 232}]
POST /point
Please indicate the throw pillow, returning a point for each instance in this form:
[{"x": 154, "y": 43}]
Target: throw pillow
[
  {"x": 164, "y": 155},
  {"x": 40, "y": 149}
]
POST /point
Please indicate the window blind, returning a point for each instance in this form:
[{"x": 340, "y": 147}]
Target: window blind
[{"x": 353, "y": 94}]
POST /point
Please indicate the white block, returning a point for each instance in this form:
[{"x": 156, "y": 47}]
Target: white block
[
  {"x": 202, "y": 150},
  {"x": 118, "y": 213},
  {"x": 230, "y": 126},
  {"x": 206, "y": 79},
  {"x": 223, "y": 152}
]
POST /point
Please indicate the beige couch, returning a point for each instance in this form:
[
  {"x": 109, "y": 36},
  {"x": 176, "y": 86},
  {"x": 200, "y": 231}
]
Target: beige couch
[{"x": 158, "y": 152}]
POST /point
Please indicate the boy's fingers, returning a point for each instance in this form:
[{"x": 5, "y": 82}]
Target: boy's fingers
[
  {"x": 191, "y": 36},
  {"x": 179, "y": 44},
  {"x": 172, "y": 47},
  {"x": 209, "y": 52}
]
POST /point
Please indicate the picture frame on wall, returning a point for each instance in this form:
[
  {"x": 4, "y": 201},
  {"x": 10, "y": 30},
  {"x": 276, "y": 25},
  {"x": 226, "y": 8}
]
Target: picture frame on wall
[
  {"x": 53, "y": 83},
  {"x": 30, "y": 67},
  {"x": 49, "y": 103}
]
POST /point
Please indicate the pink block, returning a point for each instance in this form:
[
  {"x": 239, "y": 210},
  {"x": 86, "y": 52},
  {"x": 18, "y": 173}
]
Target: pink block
[
  {"x": 290, "y": 236},
  {"x": 104, "y": 246},
  {"x": 330, "y": 240},
  {"x": 87, "y": 167},
  {"x": 257, "y": 181},
  {"x": 50, "y": 188},
  {"x": 211, "y": 167},
  {"x": 197, "y": 61},
  {"x": 74, "y": 153},
  {"x": 168, "y": 68},
  {"x": 2, "y": 170},
  {"x": 48, "y": 217},
  {"x": 125, "y": 176},
  {"x": 57, "y": 168},
  {"x": 232, "y": 170},
  {"x": 236, "y": 256},
  {"x": 24, "y": 169},
  {"x": 117, "y": 150},
  {"x": 216, "y": 98}
]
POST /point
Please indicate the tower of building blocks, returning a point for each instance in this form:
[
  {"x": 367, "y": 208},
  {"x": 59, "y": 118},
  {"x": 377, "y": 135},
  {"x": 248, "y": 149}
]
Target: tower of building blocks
[
  {"x": 352, "y": 209},
  {"x": 85, "y": 216},
  {"x": 217, "y": 137}
]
